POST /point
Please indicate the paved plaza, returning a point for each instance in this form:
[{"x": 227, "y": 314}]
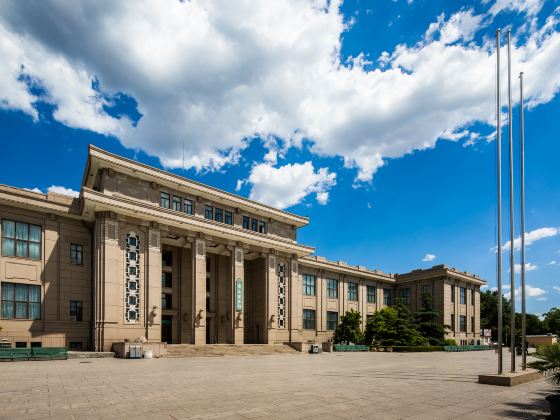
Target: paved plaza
[{"x": 284, "y": 386}]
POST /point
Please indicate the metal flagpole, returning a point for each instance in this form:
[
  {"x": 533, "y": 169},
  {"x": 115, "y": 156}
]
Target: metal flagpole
[
  {"x": 511, "y": 219},
  {"x": 522, "y": 165},
  {"x": 499, "y": 164}
]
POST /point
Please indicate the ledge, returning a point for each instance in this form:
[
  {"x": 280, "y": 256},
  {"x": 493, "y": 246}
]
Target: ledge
[{"x": 510, "y": 378}]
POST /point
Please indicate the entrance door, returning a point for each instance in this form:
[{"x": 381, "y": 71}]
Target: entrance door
[
  {"x": 209, "y": 331},
  {"x": 166, "y": 329}
]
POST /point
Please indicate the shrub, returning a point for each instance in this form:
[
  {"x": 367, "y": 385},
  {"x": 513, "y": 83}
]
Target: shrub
[
  {"x": 417, "y": 349},
  {"x": 548, "y": 362},
  {"x": 449, "y": 342},
  {"x": 349, "y": 329}
]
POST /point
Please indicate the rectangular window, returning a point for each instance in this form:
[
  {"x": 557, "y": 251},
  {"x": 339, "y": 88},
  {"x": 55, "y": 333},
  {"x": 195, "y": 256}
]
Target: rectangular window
[
  {"x": 166, "y": 302},
  {"x": 262, "y": 226},
  {"x": 229, "y": 218},
  {"x": 308, "y": 319},
  {"x": 21, "y": 301},
  {"x": 21, "y": 240},
  {"x": 254, "y": 225},
  {"x": 246, "y": 222},
  {"x": 371, "y": 291},
  {"x": 426, "y": 288},
  {"x": 218, "y": 215},
  {"x": 76, "y": 310},
  {"x": 176, "y": 203},
  {"x": 167, "y": 258},
  {"x": 453, "y": 322},
  {"x": 308, "y": 285},
  {"x": 164, "y": 200},
  {"x": 188, "y": 206},
  {"x": 209, "y": 212},
  {"x": 462, "y": 296},
  {"x": 387, "y": 298},
  {"x": 332, "y": 320},
  {"x": 404, "y": 296},
  {"x": 452, "y": 293},
  {"x": 76, "y": 254},
  {"x": 352, "y": 291},
  {"x": 462, "y": 323},
  {"x": 472, "y": 324},
  {"x": 472, "y": 297},
  {"x": 166, "y": 280},
  {"x": 332, "y": 288}
]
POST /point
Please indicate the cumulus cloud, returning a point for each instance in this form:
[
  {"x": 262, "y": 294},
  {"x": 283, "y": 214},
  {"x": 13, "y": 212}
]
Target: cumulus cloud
[
  {"x": 529, "y": 7},
  {"x": 553, "y": 262},
  {"x": 63, "y": 191},
  {"x": 556, "y": 288},
  {"x": 213, "y": 75},
  {"x": 530, "y": 292},
  {"x": 289, "y": 184},
  {"x": 429, "y": 257},
  {"x": 532, "y": 236}
]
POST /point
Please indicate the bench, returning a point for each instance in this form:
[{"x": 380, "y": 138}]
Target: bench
[
  {"x": 347, "y": 347},
  {"x": 15, "y": 354},
  {"x": 466, "y": 348},
  {"x": 49, "y": 353}
]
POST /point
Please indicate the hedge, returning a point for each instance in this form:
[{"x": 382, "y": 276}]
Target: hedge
[{"x": 403, "y": 349}]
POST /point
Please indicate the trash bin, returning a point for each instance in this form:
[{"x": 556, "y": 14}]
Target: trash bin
[
  {"x": 314, "y": 349},
  {"x": 149, "y": 354},
  {"x": 135, "y": 352}
]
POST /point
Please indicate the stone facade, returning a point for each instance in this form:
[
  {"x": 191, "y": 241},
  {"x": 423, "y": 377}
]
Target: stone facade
[{"x": 145, "y": 253}]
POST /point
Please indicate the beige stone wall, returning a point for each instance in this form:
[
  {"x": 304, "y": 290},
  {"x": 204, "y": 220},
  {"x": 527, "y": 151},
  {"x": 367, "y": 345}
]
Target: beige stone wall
[{"x": 60, "y": 281}]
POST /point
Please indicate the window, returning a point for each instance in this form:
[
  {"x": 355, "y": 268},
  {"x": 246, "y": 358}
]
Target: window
[
  {"x": 229, "y": 217},
  {"x": 453, "y": 322},
  {"x": 166, "y": 280},
  {"x": 462, "y": 296},
  {"x": 21, "y": 301},
  {"x": 426, "y": 288},
  {"x": 76, "y": 310},
  {"x": 35, "y": 344},
  {"x": 21, "y": 344},
  {"x": 462, "y": 323},
  {"x": 452, "y": 293},
  {"x": 246, "y": 222},
  {"x": 254, "y": 225},
  {"x": 164, "y": 200},
  {"x": 332, "y": 288},
  {"x": 21, "y": 240},
  {"x": 218, "y": 215},
  {"x": 352, "y": 291},
  {"x": 209, "y": 212},
  {"x": 472, "y": 324},
  {"x": 308, "y": 319},
  {"x": 166, "y": 302},
  {"x": 387, "y": 297},
  {"x": 176, "y": 204},
  {"x": 75, "y": 345},
  {"x": 404, "y": 296},
  {"x": 262, "y": 226},
  {"x": 188, "y": 206},
  {"x": 332, "y": 320},
  {"x": 308, "y": 285},
  {"x": 472, "y": 297},
  {"x": 167, "y": 258},
  {"x": 76, "y": 254}
]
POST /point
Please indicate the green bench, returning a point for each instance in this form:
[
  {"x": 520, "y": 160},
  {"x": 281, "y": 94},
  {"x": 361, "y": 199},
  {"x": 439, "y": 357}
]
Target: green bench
[
  {"x": 466, "y": 348},
  {"x": 49, "y": 353},
  {"x": 347, "y": 347},
  {"x": 15, "y": 354}
]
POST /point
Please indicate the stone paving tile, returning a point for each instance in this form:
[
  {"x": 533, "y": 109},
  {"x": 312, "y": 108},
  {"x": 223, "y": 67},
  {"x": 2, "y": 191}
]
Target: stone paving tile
[{"x": 284, "y": 386}]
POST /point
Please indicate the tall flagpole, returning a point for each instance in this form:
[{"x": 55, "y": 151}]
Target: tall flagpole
[
  {"x": 499, "y": 164},
  {"x": 522, "y": 165},
  {"x": 511, "y": 219}
]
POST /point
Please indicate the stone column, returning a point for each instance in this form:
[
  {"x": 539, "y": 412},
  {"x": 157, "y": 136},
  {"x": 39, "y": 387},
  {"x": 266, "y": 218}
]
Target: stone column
[
  {"x": 296, "y": 297},
  {"x": 272, "y": 298},
  {"x": 199, "y": 291},
  {"x": 153, "y": 286},
  {"x": 237, "y": 295}
]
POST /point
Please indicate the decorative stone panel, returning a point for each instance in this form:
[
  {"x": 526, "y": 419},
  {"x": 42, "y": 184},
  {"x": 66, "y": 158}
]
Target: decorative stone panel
[
  {"x": 281, "y": 296},
  {"x": 132, "y": 278},
  {"x": 111, "y": 231},
  {"x": 154, "y": 240}
]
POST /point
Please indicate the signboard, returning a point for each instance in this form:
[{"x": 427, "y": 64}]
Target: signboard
[
  {"x": 486, "y": 333},
  {"x": 239, "y": 295}
]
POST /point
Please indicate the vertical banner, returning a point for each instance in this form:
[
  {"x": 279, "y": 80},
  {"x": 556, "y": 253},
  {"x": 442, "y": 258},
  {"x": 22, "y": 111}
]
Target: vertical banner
[{"x": 239, "y": 295}]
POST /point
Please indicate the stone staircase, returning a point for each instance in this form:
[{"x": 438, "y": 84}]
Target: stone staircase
[{"x": 217, "y": 350}]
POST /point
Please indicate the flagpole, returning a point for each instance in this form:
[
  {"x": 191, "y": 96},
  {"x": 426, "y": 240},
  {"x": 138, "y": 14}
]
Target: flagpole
[
  {"x": 499, "y": 164},
  {"x": 511, "y": 212},
  {"x": 522, "y": 165}
]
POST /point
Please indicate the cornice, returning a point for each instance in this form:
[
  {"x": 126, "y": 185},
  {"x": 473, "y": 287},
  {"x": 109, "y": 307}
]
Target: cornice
[
  {"x": 46, "y": 203},
  {"x": 340, "y": 267}
]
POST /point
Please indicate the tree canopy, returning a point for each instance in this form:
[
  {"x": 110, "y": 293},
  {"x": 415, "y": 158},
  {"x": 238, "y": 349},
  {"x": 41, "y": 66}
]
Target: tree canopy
[
  {"x": 349, "y": 330},
  {"x": 428, "y": 321}
]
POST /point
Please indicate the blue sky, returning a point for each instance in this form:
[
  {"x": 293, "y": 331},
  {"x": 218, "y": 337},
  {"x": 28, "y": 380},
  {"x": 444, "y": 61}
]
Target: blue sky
[{"x": 375, "y": 119}]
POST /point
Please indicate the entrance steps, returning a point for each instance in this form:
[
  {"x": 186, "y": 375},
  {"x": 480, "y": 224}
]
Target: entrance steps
[{"x": 216, "y": 350}]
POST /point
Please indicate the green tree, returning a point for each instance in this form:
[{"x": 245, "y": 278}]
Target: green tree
[
  {"x": 428, "y": 321},
  {"x": 548, "y": 361},
  {"x": 349, "y": 330},
  {"x": 535, "y": 326},
  {"x": 393, "y": 326},
  {"x": 489, "y": 313},
  {"x": 552, "y": 319}
]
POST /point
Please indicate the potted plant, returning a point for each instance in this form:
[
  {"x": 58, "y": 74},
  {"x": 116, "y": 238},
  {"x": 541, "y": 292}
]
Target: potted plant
[{"x": 548, "y": 362}]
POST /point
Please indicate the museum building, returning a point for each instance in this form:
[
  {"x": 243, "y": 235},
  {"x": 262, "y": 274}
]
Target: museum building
[{"x": 146, "y": 253}]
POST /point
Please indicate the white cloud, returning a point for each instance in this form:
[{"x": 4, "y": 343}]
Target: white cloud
[
  {"x": 532, "y": 236},
  {"x": 530, "y": 292},
  {"x": 529, "y": 7},
  {"x": 553, "y": 262},
  {"x": 35, "y": 190},
  {"x": 429, "y": 257},
  {"x": 289, "y": 184},
  {"x": 63, "y": 190},
  {"x": 212, "y": 75},
  {"x": 556, "y": 288},
  {"x": 528, "y": 267}
]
